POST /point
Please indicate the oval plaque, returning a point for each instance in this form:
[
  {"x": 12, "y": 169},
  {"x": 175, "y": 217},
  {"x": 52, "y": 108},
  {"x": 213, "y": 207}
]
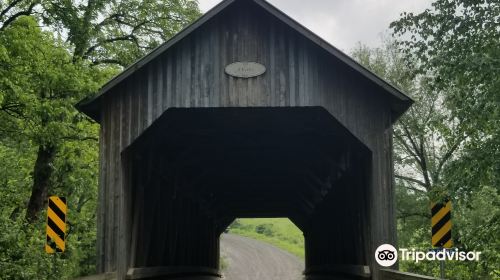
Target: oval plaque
[{"x": 245, "y": 69}]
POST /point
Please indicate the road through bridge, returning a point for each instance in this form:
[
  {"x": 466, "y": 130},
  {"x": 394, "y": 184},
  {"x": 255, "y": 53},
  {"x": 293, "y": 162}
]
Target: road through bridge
[{"x": 249, "y": 259}]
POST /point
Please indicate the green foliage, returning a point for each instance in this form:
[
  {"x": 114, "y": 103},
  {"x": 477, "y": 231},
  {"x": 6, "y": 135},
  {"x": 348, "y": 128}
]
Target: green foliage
[
  {"x": 447, "y": 144},
  {"x": 42, "y": 137},
  {"x": 223, "y": 264},
  {"x": 430, "y": 142},
  {"x": 118, "y": 32},
  {"x": 477, "y": 220},
  {"x": 457, "y": 45},
  {"x": 39, "y": 85},
  {"x": 265, "y": 229},
  {"x": 22, "y": 255},
  {"x": 280, "y": 232},
  {"x": 447, "y": 58}
]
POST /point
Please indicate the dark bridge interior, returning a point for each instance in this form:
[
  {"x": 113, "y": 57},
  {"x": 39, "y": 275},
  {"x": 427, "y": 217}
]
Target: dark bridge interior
[{"x": 193, "y": 171}]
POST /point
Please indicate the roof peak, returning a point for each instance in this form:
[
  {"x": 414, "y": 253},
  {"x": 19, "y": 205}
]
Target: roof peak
[{"x": 85, "y": 106}]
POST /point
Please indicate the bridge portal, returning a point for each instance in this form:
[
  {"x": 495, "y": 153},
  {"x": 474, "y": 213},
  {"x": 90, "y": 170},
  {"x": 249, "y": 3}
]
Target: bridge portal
[{"x": 245, "y": 113}]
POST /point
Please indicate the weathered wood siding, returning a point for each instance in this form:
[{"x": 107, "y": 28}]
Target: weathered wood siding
[{"x": 191, "y": 74}]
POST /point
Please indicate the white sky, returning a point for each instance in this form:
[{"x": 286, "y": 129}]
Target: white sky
[{"x": 343, "y": 23}]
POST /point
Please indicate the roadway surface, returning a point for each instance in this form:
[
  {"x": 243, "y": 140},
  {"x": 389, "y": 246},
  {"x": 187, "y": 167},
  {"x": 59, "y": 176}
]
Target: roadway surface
[{"x": 249, "y": 259}]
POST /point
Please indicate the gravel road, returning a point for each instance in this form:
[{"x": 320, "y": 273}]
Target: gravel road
[{"x": 249, "y": 259}]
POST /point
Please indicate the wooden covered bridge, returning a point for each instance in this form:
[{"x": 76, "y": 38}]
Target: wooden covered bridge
[{"x": 245, "y": 113}]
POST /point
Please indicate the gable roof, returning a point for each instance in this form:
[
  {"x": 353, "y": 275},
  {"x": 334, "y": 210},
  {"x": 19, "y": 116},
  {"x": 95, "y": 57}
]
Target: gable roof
[{"x": 90, "y": 107}]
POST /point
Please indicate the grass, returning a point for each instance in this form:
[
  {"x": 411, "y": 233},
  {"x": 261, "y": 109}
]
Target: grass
[
  {"x": 280, "y": 232},
  {"x": 223, "y": 263}
]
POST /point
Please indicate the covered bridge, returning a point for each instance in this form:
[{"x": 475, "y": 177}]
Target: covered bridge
[{"x": 245, "y": 113}]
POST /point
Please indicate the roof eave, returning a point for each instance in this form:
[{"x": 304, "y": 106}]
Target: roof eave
[{"x": 90, "y": 107}]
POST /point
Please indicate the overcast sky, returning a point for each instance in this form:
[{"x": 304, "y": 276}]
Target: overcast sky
[{"x": 343, "y": 23}]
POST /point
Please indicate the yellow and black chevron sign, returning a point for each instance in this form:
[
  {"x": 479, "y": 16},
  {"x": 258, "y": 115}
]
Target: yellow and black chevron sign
[
  {"x": 56, "y": 225},
  {"x": 441, "y": 224}
]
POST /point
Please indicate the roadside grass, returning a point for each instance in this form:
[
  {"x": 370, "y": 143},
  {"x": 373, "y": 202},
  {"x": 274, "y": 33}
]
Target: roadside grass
[
  {"x": 223, "y": 265},
  {"x": 280, "y": 232}
]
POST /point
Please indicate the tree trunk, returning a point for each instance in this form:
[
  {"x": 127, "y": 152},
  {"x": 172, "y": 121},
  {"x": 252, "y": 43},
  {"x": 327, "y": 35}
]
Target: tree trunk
[{"x": 41, "y": 181}]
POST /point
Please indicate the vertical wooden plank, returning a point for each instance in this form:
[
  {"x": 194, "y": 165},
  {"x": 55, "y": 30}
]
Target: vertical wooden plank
[
  {"x": 233, "y": 56},
  {"x": 307, "y": 74},
  {"x": 212, "y": 79},
  {"x": 108, "y": 188},
  {"x": 137, "y": 104},
  {"x": 283, "y": 68},
  {"x": 291, "y": 68},
  {"x": 159, "y": 86},
  {"x": 145, "y": 100},
  {"x": 122, "y": 193},
  {"x": 134, "y": 188},
  {"x": 101, "y": 207},
  {"x": 135, "y": 109},
  {"x": 168, "y": 100},
  {"x": 215, "y": 66},
  {"x": 150, "y": 94},
  {"x": 116, "y": 183},
  {"x": 196, "y": 67},
  {"x": 155, "y": 91},
  {"x": 247, "y": 52},
  {"x": 272, "y": 65},
  {"x": 225, "y": 56},
  {"x": 205, "y": 74},
  {"x": 302, "y": 74},
  {"x": 186, "y": 91},
  {"x": 314, "y": 99},
  {"x": 163, "y": 212},
  {"x": 177, "y": 79},
  {"x": 110, "y": 185},
  {"x": 296, "y": 59},
  {"x": 149, "y": 201}
]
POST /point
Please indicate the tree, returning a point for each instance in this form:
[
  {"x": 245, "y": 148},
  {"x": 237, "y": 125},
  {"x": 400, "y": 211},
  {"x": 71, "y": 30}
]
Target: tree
[
  {"x": 46, "y": 146},
  {"x": 457, "y": 44},
  {"x": 427, "y": 137},
  {"x": 118, "y": 32},
  {"x": 12, "y": 10},
  {"x": 38, "y": 89},
  {"x": 105, "y": 35},
  {"x": 39, "y": 85},
  {"x": 429, "y": 142}
]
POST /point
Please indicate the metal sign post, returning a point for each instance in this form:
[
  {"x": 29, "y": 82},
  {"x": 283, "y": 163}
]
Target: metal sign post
[{"x": 441, "y": 269}]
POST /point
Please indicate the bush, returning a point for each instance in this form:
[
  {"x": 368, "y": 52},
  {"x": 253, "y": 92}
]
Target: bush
[{"x": 265, "y": 229}]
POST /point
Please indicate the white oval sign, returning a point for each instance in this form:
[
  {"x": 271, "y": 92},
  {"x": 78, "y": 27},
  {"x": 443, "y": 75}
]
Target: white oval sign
[{"x": 245, "y": 69}]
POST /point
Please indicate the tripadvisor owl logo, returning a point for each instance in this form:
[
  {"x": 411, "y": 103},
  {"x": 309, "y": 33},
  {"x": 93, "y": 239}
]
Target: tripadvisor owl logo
[{"x": 386, "y": 255}]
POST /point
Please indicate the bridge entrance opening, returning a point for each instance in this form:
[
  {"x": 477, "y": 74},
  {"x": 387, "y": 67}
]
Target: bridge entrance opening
[{"x": 193, "y": 171}]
